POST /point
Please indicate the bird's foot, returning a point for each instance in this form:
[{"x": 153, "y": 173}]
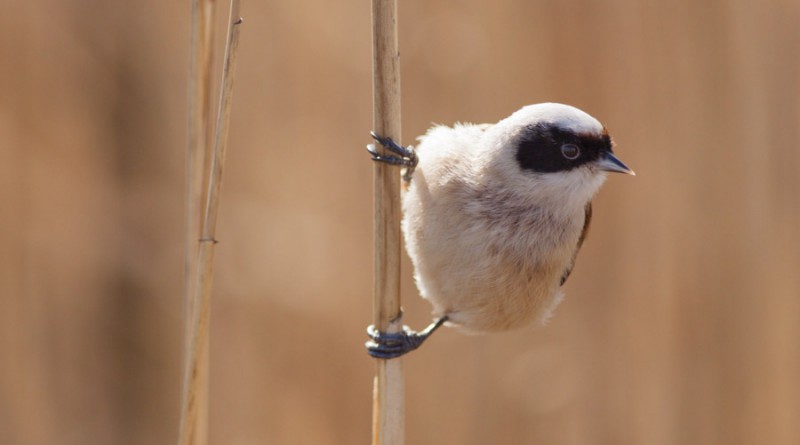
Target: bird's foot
[
  {"x": 406, "y": 157},
  {"x": 392, "y": 345}
]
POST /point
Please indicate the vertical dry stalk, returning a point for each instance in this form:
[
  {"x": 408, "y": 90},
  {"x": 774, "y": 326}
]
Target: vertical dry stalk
[
  {"x": 199, "y": 122},
  {"x": 197, "y": 156},
  {"x": 388, "y": 422},
  {"x": 193, "y": 429}
]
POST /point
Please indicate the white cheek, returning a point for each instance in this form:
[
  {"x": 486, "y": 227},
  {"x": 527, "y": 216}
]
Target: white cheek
[
  {"x": 580, "y": 184},
  {"x": 568, "y": 191}
]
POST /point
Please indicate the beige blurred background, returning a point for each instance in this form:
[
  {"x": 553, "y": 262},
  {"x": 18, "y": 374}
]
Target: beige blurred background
[{"x": 682, "y": 318}]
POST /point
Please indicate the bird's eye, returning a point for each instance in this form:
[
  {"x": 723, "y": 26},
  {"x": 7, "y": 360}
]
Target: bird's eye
[{"x": 570, "y": 151}]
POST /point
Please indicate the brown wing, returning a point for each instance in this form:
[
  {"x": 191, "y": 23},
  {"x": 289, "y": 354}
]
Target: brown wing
[{"x": 586, "y": 221}]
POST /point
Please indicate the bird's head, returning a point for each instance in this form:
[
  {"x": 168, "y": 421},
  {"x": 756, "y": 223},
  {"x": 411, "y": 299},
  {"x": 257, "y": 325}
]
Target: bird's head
[{"x": 555, "y": 151}]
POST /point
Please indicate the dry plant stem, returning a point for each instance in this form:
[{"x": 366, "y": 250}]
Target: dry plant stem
[
  {"x": 199, "y": 125},
  {"x": 196, "y": 371},
  {"x": 388, "y": 422},
  {"x": 198, "y": 147}
]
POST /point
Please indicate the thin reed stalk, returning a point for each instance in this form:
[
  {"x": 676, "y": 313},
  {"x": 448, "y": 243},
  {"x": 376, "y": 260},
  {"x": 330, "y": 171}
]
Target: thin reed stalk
[
  {"x": 388, "y": 417},
  {"x": 199, "y": 122},
  {"x": 193, "y": 428},
  {"x": 197, "y": 159}
]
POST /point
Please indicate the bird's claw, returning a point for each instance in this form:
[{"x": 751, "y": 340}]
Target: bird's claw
[
  {"x": 392, "y": 345},
  {"x": 405, "y": 156}
]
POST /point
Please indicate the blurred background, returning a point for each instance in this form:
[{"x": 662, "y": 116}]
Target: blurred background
[{"x": 682, "y": 318}]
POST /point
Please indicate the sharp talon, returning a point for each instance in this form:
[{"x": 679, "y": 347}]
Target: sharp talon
[
  {"x": 406, "y": 157},
  {"x": 392, "y": 345}
]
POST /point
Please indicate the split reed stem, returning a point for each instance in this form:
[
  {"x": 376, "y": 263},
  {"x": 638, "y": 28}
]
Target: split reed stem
[{"x": 193, "y": 428}]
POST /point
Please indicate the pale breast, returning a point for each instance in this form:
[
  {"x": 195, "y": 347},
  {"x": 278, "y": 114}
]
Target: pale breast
[{"x": 482, "y": 260}]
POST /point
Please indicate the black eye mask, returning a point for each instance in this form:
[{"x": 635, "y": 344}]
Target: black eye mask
[{"x": 540, "y": 148}]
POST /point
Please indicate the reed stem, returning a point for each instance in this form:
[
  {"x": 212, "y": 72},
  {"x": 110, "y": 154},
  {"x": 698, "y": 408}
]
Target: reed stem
[
  {"x": 388, "y": 420},
  {"x": 197, "y": 159},
  {"x": 193, "y": 428}
]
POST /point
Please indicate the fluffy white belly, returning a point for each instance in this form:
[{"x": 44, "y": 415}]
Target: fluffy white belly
[{"x": 485, "y": 265}]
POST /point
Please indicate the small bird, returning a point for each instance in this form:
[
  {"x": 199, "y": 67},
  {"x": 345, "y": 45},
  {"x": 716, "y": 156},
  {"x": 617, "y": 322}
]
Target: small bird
[{"x": 494, "y": 216}]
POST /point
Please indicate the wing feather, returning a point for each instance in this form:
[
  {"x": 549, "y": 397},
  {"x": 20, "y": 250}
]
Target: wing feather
[{"x": 584, "y": 233}]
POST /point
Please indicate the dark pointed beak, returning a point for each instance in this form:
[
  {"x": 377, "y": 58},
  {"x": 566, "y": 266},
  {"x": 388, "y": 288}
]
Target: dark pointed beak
[{"x": 611, "y": 163}]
